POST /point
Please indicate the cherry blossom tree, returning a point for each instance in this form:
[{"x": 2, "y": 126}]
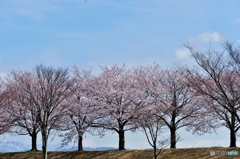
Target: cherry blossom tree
[
  {"x": 45, "y": 90},
  {"x": 6, "y": 112},
  {"x": 177, "y": 104},
  {"x": 181, "y": 106},
  {"x": 117, "y": 100},
  {"x": 150, "y": 120},
  {"x": 218, "y": 81},
  {"x": 152, "y": 125},
  {"x": 24, "y": 109},
  {"x": 82, "y": 111}
]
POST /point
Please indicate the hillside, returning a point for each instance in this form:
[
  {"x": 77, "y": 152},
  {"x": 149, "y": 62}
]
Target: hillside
[{"x": 186, "y": 153}]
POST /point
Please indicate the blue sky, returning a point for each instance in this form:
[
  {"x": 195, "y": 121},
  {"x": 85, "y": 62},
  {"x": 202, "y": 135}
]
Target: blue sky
[{"x": 88, "y": 33}]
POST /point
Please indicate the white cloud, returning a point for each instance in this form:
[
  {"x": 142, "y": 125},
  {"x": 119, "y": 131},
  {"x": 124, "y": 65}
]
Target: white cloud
[
  {"x": 206, "y": 37},
  {"x": 202, "y": 40},
  {"x": 184, "y": 56},
  {"x": 182, "y": 53},
  {"x": 209, "y": 36}
]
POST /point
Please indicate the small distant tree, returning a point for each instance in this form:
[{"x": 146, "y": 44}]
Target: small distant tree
[{"x": 154, "y": 128}]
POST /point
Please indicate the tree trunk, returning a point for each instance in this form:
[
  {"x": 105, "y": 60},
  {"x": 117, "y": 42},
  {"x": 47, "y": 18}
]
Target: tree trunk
[
  {"x": 80, "y": 145},
  {"x": 155, "y": 151},
  {"x": 232, "y": 131},
  {"x": 232, "y": 138},
  {"x": 44, "y": 145},
  {"x": 121, "y": 138},
  {"x": 173, "y": 137},
  {"x": 173, "y": 123},
  {"x": 34, "y": 141}
]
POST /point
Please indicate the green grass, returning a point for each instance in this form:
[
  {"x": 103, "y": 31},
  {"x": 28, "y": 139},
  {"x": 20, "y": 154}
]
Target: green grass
[{"x": 186, "y": 153}]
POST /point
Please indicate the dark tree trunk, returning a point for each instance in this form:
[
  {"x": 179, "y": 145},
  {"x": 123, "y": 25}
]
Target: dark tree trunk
[
  {"x": 121, "y": 145},
  {"x": 34, "y": 141},
  {"x": 173, "y": 137},
  {"x": 155, "y": 151},
  {"x": 232, "y": 131},
  {"x": 173, "y": 126},
  {"x": 80, "y": 145},
  {"x": 232, "y": 138}
]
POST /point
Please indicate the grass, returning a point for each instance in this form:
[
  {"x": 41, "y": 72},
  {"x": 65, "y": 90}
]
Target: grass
[{"x": 185, "y": 153}]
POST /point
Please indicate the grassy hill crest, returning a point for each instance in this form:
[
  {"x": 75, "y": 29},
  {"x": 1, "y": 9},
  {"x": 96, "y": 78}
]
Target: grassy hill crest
[{"x": 179, "y": 153}]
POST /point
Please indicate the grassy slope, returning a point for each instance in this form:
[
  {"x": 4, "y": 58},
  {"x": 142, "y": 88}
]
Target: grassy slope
[{"x": 187, "y": 153}]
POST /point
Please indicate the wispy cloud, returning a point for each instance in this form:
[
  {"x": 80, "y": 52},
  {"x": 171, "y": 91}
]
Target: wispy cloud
[
  {"x": 202, "y": 39},
  {"x": 209, "y": 36},
  {"x": 33, "y": 9},
  {"x": 206, "y": 37},
  {"x": 182, "y": 53}
]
